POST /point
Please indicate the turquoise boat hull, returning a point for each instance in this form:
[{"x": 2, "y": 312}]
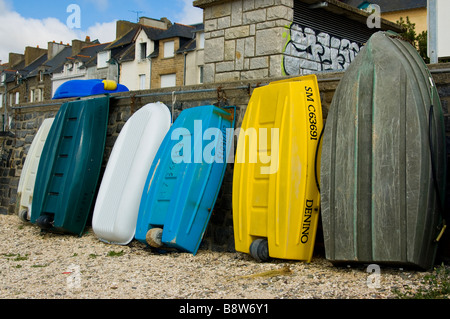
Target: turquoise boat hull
[{"x": 185, "y": 178}]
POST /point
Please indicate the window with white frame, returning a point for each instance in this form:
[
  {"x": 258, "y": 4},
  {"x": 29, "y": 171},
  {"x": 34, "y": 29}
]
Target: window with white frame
[
  {"x": 31, "y": 95},
  {"x": 169, "y": 49},
  {"x": 201, "y": 42},
  {"x": 102, "y": 59},
  {"x": 17, "y": 98},
  {"x": 168, "y": 80},
  {"x": 141, "y": 81},
  {"x": 38, "y": 96}
]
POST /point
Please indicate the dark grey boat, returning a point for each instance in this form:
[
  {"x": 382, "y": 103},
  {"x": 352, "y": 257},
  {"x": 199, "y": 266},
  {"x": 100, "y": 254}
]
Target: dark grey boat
[{"x": 383, "y": 162}]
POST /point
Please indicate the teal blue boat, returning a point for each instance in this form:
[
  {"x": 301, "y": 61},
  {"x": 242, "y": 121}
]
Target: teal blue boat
[
  {"x": 383, "y": 163},
  {"x": 185, "y": 179},
  {"x": 66, "y": 180}
]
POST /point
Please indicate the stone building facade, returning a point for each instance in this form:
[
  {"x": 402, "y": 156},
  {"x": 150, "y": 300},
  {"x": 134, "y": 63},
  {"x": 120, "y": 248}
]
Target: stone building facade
[
  {"x": 243, "y": 39},
  {"x": 21, "y": 87},
  {"x": 249, "y": 39},
  {"x": 167, "y": 64}
]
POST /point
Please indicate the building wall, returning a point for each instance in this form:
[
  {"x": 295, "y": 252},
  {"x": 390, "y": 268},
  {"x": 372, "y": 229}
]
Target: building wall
[
  {"x": 35, "y": 84},
  {"x": 194, "y": 60},
  {"x": 164, "y": 66},
  {"x": 132, "y": 70},
  {"x": 25, "y": 87},
  {"x": 24, "y": 90},
  {"x": 417, "y": 16},
  {"x": 245, "y": 39}
]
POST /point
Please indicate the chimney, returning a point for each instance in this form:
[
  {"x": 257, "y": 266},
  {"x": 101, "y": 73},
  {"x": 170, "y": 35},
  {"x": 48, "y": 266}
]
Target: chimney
[
  {"x": 164, "y": 23},
  {"x": 31, "y": 54},
  {"x": 78, "y": 45},
  {"x": 15, "y": 59},
  {"x": 54, "y": 48},
  {"x": 167, "y": 22},
  {"x": 123, "y": 27}
]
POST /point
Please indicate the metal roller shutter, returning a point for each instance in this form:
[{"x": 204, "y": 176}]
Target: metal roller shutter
[{"x": 322, "y": 20}]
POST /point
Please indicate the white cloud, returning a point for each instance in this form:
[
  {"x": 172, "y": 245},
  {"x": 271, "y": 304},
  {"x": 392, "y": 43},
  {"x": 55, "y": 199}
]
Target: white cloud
[
  {"x": 190, "y": 14},
  {"x": 104, "y": 32},
  {"x": 18, "y": 32}
]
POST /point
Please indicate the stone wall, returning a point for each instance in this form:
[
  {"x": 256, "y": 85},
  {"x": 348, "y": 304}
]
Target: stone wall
[
  {"x": 244, "y": 39},
  {"x": 219, "y": 234}
]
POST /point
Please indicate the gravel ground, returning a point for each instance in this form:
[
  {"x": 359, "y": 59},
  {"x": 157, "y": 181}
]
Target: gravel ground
[{"x": 35, "y": 265}]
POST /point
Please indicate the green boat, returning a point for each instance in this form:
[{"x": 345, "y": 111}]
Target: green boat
[
  {"x": 66, "y": 180},
  {"x": 383, "y": 162}
]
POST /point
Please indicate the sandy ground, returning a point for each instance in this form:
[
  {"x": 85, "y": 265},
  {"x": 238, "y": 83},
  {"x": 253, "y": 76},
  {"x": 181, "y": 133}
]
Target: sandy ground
[{"x": 36, "y": 265}]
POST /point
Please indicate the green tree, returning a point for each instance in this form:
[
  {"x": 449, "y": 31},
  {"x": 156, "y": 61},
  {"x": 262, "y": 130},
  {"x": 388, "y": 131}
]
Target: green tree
[
  {"x": 419, "y": 41},
  {"x": 422, "y": 44}
]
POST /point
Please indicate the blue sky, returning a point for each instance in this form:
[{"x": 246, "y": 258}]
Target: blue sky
[
  {"x": 100, "y": 11},
  {"x": 36, "y": 22}
]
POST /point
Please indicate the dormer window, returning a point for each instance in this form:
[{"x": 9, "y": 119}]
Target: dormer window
[
  {"x": 41, "y": 76},
  {"x": 68, "y": 67},
  {"x": 143, "y": 51}
]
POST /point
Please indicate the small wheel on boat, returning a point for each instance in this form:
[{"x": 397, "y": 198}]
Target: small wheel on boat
[
  {"x": 259, "y": 249},
  {"x": 44, "y": 222},
  {"x": 23, "y": 215},
  {"x": 154, "y": 237}
]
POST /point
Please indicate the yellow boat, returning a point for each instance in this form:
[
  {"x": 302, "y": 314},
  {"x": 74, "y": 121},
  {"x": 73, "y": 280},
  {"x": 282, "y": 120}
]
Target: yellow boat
[{"x": 276, "y": 197}]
